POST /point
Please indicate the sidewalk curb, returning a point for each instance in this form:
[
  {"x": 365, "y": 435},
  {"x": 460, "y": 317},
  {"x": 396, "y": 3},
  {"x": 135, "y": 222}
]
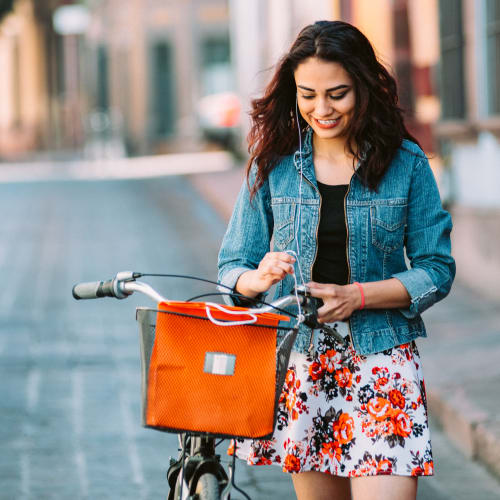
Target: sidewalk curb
[
  {"x": 472, "y": 431},
  {"x": 120, "y": 168},
  {"x": 219, "y": 189}
]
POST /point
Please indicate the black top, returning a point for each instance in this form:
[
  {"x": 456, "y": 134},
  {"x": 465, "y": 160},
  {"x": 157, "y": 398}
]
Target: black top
[{"x": 330, "y": 265}]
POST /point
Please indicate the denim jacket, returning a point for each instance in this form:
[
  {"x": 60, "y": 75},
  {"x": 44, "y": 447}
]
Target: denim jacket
[{"x": 403, "y": 218}]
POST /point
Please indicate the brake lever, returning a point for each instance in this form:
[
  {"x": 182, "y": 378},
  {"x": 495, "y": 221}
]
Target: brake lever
[{"x": 310, "y": 306}]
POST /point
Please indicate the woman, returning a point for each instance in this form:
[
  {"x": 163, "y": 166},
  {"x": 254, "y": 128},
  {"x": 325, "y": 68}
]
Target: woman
[{"x": 336, "y": 179}]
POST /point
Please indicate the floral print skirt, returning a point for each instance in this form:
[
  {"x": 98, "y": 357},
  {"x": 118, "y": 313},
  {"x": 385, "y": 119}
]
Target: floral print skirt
[{"x": 349, "y": 415}]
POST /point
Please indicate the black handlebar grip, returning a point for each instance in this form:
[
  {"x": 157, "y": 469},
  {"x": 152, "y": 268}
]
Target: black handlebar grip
[{"x": 93, "y": 290}]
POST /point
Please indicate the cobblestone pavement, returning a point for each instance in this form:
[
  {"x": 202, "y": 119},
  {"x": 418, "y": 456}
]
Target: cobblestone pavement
[
  {"x": 70, "y": 391},
  {"x": 69, "y": 371}
]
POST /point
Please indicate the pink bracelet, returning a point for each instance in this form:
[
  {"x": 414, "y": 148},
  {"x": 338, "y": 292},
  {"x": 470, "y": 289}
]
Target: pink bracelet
[{"x": 362, "y": 295}]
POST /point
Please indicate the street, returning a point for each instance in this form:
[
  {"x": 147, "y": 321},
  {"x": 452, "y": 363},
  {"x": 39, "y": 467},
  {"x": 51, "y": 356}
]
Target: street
[{"x": 70, "y": 391}]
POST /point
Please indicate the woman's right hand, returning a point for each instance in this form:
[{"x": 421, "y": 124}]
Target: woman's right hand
[{"x": 272, "y": 268}]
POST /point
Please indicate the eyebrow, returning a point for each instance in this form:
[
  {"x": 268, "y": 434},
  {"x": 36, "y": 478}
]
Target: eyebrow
[{"x": 332, "y": 89}]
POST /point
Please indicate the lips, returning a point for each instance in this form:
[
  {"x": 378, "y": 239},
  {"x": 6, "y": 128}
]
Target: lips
[{"x": 327, "y": 124}]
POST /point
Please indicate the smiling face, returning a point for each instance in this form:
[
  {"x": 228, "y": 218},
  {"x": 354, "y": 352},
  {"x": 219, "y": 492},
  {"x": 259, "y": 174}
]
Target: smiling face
[{"x": 325, "y": 97}]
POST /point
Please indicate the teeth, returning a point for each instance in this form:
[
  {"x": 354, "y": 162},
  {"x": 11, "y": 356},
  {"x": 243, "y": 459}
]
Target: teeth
[{"x": 328, "y": 122}]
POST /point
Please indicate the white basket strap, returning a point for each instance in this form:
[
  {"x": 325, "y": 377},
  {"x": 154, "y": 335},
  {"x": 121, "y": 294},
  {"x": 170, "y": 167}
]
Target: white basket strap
[{"x": 253, "y": 317}]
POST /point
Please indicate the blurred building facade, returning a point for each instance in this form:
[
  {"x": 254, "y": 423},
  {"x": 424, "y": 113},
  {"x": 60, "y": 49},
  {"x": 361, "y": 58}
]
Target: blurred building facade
[
  {"x": 129, "y": 81},
  {"x": 43, "y": 97},
  {"x": 24, "y": 102},
  {"x": 138, "y": 71},
  {"x": 149, "y": 64},
  {"x": 469, "y": 134}
]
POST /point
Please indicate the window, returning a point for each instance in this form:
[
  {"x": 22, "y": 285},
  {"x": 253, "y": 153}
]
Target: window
[
  {"x": 452, "y": 60},
  {"x": 16, "y": 84},
  {"x": 60, "y": 67},
  {"x": 216, "y": 65},
  {"x": 403, "y": 64},
  {"x": 493, "y": 55},
  {"x": 102, "y": 79},
  {"x": 346, "y": 10},
  {"x": 162, "y": 103}
]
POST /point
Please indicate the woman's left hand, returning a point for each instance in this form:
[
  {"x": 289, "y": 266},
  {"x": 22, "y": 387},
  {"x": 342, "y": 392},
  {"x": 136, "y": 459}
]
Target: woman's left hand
[{"x": 339, "y": 301}]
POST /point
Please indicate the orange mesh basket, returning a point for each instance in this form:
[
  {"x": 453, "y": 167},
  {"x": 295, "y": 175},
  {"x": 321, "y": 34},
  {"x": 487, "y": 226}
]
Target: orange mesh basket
[{"x": 201, "y": 377}]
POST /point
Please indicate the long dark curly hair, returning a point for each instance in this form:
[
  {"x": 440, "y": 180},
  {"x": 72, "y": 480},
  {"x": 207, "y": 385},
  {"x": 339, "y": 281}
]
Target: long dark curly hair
[{"x": 377, "y": 119}]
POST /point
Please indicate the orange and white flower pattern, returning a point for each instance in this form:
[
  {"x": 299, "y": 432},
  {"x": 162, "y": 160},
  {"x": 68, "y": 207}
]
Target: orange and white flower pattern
[{"x": 349, "y": 415}]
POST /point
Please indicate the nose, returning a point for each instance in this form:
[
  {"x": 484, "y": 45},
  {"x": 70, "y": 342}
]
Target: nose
[{"x": 323, "y": 107}]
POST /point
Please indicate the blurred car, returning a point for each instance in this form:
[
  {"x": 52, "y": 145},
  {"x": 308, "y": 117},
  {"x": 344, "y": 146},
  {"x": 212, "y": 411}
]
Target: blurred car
[{"x": 220, "y": 118}]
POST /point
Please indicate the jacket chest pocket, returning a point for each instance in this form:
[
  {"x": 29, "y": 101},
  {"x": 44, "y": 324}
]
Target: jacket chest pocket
[
  {"x": 388, "y": 226},
  {"x": 284, "y": 223}
]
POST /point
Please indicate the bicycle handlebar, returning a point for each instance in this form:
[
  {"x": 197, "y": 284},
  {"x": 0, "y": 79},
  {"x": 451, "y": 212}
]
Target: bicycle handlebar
[
  {"x": 93, "y": 290},
  {"x": 115, "y": 287},
  {"x": 124, "y": 284}
]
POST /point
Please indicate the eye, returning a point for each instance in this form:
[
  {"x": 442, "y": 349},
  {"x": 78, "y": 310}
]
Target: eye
[
  {"x": 307, "y": 96},
  {"x": 338, "y": 97}
]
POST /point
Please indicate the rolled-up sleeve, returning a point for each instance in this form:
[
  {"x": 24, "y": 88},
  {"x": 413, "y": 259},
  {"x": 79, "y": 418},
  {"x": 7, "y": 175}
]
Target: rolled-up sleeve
[
  {"x": 247, "y": 237},
  {"x": 428, "y": 244}
]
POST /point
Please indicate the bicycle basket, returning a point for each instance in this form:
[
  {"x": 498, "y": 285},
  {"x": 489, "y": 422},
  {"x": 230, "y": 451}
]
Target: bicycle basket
[{"x": 201, "y": 377}]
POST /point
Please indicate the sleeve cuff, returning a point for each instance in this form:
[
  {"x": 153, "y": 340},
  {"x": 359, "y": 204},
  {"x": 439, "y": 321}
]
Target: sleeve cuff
[
  {"x": 229, "y": 280},
  {"x": 421, "y": 289}
]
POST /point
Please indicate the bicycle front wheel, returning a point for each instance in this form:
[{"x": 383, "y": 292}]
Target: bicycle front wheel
[{"x": 207, "y": 487}]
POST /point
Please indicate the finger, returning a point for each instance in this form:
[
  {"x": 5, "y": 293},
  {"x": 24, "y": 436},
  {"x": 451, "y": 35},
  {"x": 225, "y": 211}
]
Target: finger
[
  {"x": 288, "y": 268},
  {"x": 287, "y": 260},
  {"x": 316, "y": 293},
  {"x": 277, "y": 262},
  {"x": 326, "y": 316},
  {"x": 274, "y": 260},
  {"x": 317, "y": 286},
  {"x": 324, "y": 311},
  {"x": 272, "y": 265},
  {"x": 337, "y": 314},
  {"x": 319, "y": 292},
  {"x": 314, "y": 283},
  {"x": 284, "y": 256},
  {"x": 275, "y": 272}
]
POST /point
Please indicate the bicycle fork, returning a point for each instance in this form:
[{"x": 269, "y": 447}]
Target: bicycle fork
[{"x": 184, "y": 473}]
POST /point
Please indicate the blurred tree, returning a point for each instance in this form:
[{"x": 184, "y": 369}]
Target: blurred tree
[{"x": 6, "y": 6}]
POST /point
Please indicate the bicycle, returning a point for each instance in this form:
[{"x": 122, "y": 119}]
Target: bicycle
[{"x": 198, "y": 473}]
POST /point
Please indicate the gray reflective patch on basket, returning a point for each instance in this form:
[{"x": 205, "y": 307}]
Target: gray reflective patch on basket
[{"x": 219, "y": 363}]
